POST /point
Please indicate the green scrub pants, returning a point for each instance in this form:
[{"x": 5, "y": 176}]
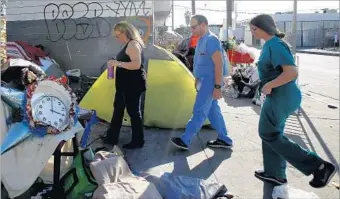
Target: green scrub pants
[{"x": 276, "y": 147}]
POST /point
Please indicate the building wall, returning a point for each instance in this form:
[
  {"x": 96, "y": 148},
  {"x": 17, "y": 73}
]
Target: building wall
[
  {"x": 77, "y": 34},
  {"x": 312, "y": 29}
]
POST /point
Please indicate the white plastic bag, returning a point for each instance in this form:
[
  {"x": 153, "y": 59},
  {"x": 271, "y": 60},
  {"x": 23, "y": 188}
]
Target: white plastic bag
[{"x": 286, "y": 192}]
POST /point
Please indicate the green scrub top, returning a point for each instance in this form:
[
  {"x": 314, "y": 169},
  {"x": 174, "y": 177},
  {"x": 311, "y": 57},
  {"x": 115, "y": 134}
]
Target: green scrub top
[{"x": 285, "y": 99}]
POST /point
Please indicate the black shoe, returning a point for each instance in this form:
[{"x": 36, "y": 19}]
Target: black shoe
[
  {"x": 219, "y": 144},
  {"x": 261, "y": 175},
  {"x": 106, "y": 140},
  {"x": 133, "y": 145},
  {"x": 179, "y": 143},
  {"x": 323, "y": 175}
]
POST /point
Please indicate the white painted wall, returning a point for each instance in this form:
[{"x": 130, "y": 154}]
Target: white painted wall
[
  {"x": 248, "y": 39},
  {"x": 25, "y": 10}
]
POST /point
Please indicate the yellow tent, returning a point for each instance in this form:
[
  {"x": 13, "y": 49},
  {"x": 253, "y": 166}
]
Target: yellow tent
[{"x": 169, "y": 97}]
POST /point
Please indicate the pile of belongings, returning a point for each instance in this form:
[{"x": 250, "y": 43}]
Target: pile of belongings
[
  {"x": 33, "y": 55},
  {"x": 105, "y": 175}
]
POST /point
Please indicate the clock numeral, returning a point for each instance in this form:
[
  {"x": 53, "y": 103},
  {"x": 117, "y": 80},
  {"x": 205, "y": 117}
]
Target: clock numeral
[
  {"x": 40, "y": 106},
  {"x": 63, "y": 109},
  {"x": 40, "y": 112},
  {"x": 43, "y": 102},
  {"x": 56, "y": 123},
  {"x": 59, "y": 103},
  {"x": 48, "y": 99},
  {"x": 60, "y": 120},
  {"x": 44, "y": 118}
]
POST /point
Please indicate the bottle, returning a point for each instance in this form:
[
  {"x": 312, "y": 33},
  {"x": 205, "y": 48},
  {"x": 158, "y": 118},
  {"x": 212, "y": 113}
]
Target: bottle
[{"x": 110, "y": 72}]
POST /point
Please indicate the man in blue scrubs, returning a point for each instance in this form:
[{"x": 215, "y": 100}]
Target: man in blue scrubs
[{"x": 210, "y": 65}]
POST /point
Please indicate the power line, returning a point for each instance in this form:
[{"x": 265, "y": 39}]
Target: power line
[{"x": 246, "y": 12}]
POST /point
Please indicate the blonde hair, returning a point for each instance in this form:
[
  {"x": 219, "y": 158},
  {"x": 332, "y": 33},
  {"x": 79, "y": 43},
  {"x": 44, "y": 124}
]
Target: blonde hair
[{"x": 130, "y": 31}]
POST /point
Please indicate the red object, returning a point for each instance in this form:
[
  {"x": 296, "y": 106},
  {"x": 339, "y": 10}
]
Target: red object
[
  {"x": 239, "y": 58},
  {"x": 32, "y": 52},
  {"x": 193, "y": 41}
]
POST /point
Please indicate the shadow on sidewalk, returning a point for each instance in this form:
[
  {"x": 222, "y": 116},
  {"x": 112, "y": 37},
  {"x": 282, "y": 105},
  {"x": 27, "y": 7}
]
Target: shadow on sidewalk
[
  {"x": 296, "y": 131},
  {"x": 159, "y": 156},
  {"x": 241, "y": 102},
  {"x": 320, "y": 139}
]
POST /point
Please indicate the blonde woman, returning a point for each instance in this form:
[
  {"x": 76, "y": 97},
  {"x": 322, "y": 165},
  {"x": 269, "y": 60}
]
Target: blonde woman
[{"x": 130, "y": 80}]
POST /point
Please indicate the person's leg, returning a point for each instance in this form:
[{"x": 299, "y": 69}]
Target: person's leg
[
  {"x": 201, "y": 110},
  {"x": 217, "y": 121},
  {"x": 272, "y": 120},
  {"x": 112, "y": 134},
  {"x": 133, "y": 106}
]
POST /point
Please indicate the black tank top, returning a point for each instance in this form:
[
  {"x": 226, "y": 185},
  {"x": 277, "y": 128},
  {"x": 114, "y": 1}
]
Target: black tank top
[{"x": 130, "y": 80}]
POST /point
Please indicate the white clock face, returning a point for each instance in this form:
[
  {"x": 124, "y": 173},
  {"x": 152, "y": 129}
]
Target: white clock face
[{"x": 51, "y": 111}]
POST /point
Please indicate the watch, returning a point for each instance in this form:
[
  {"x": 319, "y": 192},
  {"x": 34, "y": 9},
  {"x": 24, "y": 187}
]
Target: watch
[{"x": 217, "y": 86}]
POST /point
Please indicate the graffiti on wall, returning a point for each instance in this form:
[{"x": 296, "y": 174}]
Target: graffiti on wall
[
  {"x": 146, "y": 23},
  {"x": 85, "y": 20}
]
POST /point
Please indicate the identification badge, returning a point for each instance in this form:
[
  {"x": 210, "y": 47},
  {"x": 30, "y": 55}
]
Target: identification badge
[{"x": 198, "y": 85}]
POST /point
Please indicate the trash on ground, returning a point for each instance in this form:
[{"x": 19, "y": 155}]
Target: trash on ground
[
  {"x": 286, "y": 192},
  {"x": 183, "y": 187},
  {"x": 336, "y": 185},
  {"x": 332, "y": 106}
]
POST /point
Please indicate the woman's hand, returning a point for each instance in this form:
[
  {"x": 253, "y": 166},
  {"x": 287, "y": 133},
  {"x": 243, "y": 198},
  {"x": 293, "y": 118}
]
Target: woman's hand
[
  {"x": 113, "y": 63},
  {"x": 110, "y": 63},
  {"x": 267, "y": 89}
]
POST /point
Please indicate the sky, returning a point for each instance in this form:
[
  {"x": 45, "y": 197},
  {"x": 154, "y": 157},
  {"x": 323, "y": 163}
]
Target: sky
[{"x": 215, "y": 10}]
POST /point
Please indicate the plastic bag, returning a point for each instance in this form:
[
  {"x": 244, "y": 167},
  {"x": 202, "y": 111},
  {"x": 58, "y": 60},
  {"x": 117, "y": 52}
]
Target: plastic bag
[{"x": 286, "y": 192}]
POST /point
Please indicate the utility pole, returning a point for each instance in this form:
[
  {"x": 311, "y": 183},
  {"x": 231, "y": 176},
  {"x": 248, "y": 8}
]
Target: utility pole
[
  {"x": 229, "y": 20},
  {"x": 173, "y": 16},
  {"x": 193, "y": 7},
  {"x": 293, "y": 40}
]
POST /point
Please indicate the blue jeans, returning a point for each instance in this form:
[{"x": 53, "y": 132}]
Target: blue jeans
[{"x": 206, "y": 107}]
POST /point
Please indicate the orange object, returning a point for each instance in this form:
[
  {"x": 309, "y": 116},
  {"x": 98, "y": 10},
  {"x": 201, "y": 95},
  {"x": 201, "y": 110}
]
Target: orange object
[{"x": 193, "y": 41}]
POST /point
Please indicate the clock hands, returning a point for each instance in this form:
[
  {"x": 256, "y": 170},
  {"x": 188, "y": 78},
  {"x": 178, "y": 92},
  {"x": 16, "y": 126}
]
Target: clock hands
[
  {"x": 56, "y": 112},
  {"x": 52, "y": 106}
]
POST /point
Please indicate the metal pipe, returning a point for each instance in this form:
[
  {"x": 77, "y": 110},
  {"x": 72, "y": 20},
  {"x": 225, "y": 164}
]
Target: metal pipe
[
  {"x": 3, "y": 33},
  {"x": 173, "y": 16}
]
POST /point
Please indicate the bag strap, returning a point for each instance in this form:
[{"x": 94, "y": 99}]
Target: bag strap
[
  {"x": 73, "y": 173},
  {"x": 88, "y": 174}
]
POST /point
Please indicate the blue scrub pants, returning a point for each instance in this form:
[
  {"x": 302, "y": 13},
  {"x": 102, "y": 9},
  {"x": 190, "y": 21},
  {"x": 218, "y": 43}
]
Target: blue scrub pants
[
  {"x": 276, "y": 147},
  {"x": 206, "y": 107}
]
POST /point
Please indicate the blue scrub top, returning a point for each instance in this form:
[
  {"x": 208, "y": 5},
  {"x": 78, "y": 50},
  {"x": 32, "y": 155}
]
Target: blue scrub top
[{"x": 203, "y": 63}]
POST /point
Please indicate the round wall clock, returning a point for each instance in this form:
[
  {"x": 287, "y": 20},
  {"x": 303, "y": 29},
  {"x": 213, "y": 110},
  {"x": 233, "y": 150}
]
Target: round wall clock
[{"x": 51, "y": 104}]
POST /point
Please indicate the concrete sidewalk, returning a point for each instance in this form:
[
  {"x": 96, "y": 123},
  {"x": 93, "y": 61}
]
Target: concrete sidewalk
[
  {"x": 235, "y": 168},
  {"x": 319, "y": 52}
]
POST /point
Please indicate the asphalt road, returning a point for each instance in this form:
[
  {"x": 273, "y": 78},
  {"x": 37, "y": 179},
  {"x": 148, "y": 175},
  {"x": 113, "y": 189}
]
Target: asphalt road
[{"x": 319, "y": 74}]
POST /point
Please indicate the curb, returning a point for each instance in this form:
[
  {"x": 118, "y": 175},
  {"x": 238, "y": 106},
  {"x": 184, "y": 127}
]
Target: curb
[{"x": 319, "y": 53}]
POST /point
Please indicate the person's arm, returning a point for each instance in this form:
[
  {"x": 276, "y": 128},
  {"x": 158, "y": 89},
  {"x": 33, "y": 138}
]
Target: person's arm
[
  {"x": 214, "y": 50},
  {"x": 281, "y": 57},
  {"x": 134, "y": 51}
]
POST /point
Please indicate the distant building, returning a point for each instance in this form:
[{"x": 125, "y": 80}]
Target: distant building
[
  {"x": 215, "y": 28},
  {"x": 312, "y": 29}
]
